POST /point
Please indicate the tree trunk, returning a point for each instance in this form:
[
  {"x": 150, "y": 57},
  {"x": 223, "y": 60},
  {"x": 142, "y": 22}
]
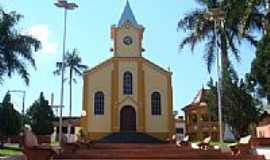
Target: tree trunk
[
  {"x": 70, "y": 98},
  {"x": 2, "y": 142},
  {"x": 268, "y": 100},
  {"x": 2, "y": 139},
  {"x": 70, "y": 91}
]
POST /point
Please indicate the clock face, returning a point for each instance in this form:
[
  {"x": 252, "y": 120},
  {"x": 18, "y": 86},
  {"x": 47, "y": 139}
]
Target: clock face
[{"x": 127, "y": 40}]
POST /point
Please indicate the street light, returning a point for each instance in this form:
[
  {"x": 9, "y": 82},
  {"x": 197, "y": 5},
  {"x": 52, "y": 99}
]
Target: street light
[
  {"x": 66, "y": 6},
  {"x": 217, "y": 15}
]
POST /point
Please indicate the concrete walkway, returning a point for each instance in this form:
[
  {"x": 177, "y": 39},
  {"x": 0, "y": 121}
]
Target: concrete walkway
[
  {"x": 13, "y": 158},
  {"x": 264, "y": 151}
]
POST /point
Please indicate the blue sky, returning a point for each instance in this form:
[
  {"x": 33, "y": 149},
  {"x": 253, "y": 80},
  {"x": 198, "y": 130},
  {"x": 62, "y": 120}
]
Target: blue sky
[{"x": 89, "y": 31}]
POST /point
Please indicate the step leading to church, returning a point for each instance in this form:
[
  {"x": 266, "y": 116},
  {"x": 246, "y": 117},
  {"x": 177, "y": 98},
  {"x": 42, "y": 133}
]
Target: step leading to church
[{"x": 129, "y": 137}]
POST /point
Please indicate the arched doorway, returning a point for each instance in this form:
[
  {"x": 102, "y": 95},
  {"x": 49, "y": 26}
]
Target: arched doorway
[{"x": 128, "y": 119}]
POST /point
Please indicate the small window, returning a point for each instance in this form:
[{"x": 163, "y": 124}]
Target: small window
[
  {"x": 205, "y": 117},
  {"x": 180, "y": 130},
  {"x": 194, "y": 118},
  {"x": 72, "y": 130},
  {"x": 213, "y": 118},
  {"x": 64, "y": 130},
  {"x": 155, "y": 103},
  {"x": 99, "y": 103},
  {"x": 127, "y": 83}
]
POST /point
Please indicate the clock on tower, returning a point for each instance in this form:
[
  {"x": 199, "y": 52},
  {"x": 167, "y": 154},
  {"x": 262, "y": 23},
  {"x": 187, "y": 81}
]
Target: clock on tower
[
  {"x": 127, "y": 35},
  {"x": 127, "y": 40}
]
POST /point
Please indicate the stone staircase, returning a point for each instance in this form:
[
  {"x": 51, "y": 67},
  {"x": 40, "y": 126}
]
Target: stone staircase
[
  {"x": 130, "y": 145},
  {"x": 149, "y": 151},
  {"x": 130, "y": 137}
]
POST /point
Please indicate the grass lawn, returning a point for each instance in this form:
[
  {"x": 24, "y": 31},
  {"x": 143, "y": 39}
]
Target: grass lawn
[
  {"x": 9, "y": 151},
  {"x": 224, "y": 143},
  {"x": 212, "y": 143}
]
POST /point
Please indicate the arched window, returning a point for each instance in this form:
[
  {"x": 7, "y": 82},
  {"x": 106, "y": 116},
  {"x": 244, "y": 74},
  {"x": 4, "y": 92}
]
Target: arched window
[
  {"x": 127, "y": 83},
  {"x": 155, "y": 103},
  {"x": 99, "y": 103}
]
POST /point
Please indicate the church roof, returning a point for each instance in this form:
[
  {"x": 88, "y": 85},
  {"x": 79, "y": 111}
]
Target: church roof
[
  {"x": 108, "y": 61},
  {"x": 128, "y": 15}
]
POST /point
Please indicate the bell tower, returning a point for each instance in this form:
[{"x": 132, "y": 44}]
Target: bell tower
[{"x": 127, "y": 36}]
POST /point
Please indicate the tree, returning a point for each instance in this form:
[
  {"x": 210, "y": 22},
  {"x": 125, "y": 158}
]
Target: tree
[
  {"x": 73, "y": 63},
  {"x": 11, "y": 120},
  {"x": 240, "y": 109},
  {"x": 250, "y": 15},
  {"x": 40, "y": 116},
  {"x": 15, "y": 49},
  {"x": 260, "y": 68},
  {"x": 241, "y": 19},
  {"x": 201, "y": 28}
]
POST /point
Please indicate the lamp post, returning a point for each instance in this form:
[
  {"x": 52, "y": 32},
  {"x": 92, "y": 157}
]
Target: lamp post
[
  {"x": 66, "y": 6},
  {"x": 217, "y": 15},
  {"x": 23, "y": 100}
]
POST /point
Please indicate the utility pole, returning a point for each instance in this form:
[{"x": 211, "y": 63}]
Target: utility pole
[
  {"x": 66, "y": 6},
  {"x": 217, "y": 15}
]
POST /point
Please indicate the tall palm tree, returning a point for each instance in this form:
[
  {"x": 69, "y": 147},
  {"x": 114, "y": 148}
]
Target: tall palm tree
[
  {"x": 72, "y": 62},
  {"x": 228, "y": 36},
  {"x": 15, "y": 48},
  {"x": 252, "y": 14}
]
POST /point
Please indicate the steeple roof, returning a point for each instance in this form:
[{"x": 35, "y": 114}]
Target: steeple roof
[{"x": 128, "y": 15}]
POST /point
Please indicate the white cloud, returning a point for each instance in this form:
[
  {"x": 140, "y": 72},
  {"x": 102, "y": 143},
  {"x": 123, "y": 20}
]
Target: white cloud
[{"x": 42, "y": 33}]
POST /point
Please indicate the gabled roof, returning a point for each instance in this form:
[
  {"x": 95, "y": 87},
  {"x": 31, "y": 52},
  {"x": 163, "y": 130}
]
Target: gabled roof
[
  {"x": 128, "y": 15},
  {"x": 198, "y": 99},
  {"x": 146, "y": 61}
]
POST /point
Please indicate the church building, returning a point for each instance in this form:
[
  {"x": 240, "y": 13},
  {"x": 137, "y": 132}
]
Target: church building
[{"x": 127, "y": 93}]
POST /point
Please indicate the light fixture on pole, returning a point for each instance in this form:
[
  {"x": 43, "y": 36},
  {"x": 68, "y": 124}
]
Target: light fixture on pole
[
  {"x": 217, "y": 15},
  {"x": 66, "y": 6}
]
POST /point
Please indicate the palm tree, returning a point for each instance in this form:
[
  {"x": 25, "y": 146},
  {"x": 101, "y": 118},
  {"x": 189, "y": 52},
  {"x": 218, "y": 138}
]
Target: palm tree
[
  {"x": 228, "y": 36},
  {"x": 15, "y": 48},
  {"x": 220, "y": 24},
  {"x": 252, "y": 15},
  {"x": 72, "y": 61}
]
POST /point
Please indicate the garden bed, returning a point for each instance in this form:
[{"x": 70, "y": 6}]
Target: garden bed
[{"x": 10, "y": 151}]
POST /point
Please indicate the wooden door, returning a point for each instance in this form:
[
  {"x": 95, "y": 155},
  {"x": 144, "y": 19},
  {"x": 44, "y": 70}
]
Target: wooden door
[{"x": 128, "y": 119}]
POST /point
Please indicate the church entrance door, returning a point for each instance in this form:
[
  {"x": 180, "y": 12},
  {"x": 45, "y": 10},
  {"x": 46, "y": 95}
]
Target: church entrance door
[{"x": 128, "y": 119}]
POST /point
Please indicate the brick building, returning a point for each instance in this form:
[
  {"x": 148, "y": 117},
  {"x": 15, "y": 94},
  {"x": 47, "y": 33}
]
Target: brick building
[{"x": 199, "y": 123}]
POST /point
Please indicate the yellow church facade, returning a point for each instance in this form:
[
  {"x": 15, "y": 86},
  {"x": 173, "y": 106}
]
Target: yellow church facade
[{"x": 127, "y": 93}]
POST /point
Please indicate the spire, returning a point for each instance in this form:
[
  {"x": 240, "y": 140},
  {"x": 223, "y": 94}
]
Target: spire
[{"x": 127, "y": 15}]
